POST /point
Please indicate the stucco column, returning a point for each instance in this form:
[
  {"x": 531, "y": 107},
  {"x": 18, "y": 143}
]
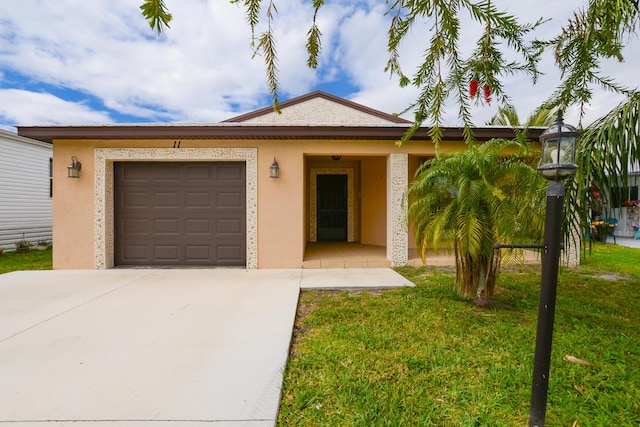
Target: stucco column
[{"x": 397, "y": 235}]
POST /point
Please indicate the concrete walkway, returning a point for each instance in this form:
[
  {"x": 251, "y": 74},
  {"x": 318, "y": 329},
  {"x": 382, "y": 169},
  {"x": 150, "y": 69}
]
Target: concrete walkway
[
  {"x": 153, "y": 347},
  {"x": 627, "y": 241}
]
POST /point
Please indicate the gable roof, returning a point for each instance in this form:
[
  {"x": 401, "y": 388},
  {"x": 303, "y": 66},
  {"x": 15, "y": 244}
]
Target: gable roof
[
  {"x": 316, "y": 115},
  {"x": 318, "y": 108}
]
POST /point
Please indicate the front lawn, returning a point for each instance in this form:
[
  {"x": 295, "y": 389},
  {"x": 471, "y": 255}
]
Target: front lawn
[
  {"x": 423, "y": 356},
  {"x": 32, "y": 260}
]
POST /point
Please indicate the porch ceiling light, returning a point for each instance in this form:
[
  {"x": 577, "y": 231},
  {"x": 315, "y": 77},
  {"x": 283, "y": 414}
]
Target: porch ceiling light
[
  {"x": 274, "y": 170},
  {"x": 558, "y": 150},
  {"x": 73, "y": 170}
]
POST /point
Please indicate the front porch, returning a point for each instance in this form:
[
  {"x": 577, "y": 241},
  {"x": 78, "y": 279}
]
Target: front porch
[{"x": 357, "y": 255}]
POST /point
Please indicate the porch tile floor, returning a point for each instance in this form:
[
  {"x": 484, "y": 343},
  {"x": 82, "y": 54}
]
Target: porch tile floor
[{"x": 356, "y": 255}]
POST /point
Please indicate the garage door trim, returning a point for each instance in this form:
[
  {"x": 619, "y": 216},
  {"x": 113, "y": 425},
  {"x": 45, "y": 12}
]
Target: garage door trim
[{"x": 104, "y": 191}]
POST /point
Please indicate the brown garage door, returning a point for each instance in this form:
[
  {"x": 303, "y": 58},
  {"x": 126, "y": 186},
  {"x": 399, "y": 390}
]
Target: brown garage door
[{"x": 180, "y": 214}]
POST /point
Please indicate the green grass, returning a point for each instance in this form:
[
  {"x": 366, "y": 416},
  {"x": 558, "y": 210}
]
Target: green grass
[
  {"x": 424, "y": 356},
  {"x": 32, "y": 260}
]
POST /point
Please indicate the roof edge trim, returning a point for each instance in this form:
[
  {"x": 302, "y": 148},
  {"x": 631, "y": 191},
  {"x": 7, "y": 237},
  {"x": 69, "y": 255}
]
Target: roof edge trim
[{"x": 390, "y": 133}]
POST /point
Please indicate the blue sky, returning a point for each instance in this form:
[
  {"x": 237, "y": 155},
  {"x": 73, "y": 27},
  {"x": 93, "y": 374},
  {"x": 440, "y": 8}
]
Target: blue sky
[{"x": 98, "y": 62}]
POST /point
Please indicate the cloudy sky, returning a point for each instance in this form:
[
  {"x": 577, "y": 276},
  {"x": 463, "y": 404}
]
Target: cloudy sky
[{"x": 98, "y": 62}]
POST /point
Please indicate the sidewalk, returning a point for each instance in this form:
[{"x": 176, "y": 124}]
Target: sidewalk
[{"x": 626, "y": 241}]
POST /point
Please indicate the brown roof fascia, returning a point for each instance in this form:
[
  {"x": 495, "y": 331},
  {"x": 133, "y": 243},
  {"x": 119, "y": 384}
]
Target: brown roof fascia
[
  {"x": 318, "y": 94},
  {"x": 49, "y": 133}
]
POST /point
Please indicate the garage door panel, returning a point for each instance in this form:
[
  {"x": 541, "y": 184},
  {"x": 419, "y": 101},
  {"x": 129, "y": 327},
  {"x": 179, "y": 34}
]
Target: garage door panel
[
  {"x": 166, "y": 226},
  {"x": 166, "y": 253},
  {"x": 198, "y": 173},
  {"x": 166, "y": 199},
  {"x": 135, "y": 225},
  {"x": 180, "y": 213},
  {"x": 135, "y": 175},
  {"x": 197, "y": 199},
  {"x": 229, "y": 173},
  {"x": 229, "y": 227},
  {"x": 230, "y": 253},
  {"x": 136, "y": 252},
  {"x": 164, "y": 173},
  {"x": 226, "y": 199},
  {"x": 135, "y": 199},
  {"x": 198, "y": 225},
  {"x": 198, "y": 252}
]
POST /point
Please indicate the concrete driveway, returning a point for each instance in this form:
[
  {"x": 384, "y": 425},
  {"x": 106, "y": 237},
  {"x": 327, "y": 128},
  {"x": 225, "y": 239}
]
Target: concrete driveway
[{"x": 152, "y": 347}]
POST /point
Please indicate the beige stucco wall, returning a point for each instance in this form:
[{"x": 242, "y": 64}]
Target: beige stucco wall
[
  {"x": 282, "y": 213},
  {"x": 373, "y": 201},
  {"x": 280, "y": 208},
  {"x": 72, "y": 207}
]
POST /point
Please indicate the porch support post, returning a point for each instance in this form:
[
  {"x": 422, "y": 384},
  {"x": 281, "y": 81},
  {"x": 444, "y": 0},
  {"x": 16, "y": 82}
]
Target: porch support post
[{"x": 397, "y": 235}]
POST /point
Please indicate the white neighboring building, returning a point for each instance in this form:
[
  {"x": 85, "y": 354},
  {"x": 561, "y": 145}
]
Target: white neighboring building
[
  {"x": 623, "y": 209},
  {"x": 25, "y": 190}
]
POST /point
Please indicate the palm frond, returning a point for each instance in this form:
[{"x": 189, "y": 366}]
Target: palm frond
[{"x": 155, "y": 11}]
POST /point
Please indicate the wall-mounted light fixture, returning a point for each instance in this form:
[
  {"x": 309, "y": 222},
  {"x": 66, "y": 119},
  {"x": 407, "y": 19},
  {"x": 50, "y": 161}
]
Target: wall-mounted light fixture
[
  {"x": 73, "y": 170},
  {"x": 274, "y": 170}
]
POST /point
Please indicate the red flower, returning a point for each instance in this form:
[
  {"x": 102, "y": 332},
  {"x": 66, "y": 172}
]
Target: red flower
[
  {"x": 486, "y": 91},
  {"x": 473, "y": 87}
]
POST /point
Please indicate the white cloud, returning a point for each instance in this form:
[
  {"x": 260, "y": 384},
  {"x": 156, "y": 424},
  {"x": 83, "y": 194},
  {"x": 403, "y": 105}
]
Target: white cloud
[
  {"x": 201, "y": 69},
  {"x": 21, "y": 107},
  {"x": 106, "y": 49}
]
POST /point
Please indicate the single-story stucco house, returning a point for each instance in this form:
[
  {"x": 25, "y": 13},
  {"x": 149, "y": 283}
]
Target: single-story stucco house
[
  {"x": 206, "y": 195},
  {"x": 25, "y": 190}
]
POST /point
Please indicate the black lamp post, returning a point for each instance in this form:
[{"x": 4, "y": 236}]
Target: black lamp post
[{"x": 558, "y": 162}]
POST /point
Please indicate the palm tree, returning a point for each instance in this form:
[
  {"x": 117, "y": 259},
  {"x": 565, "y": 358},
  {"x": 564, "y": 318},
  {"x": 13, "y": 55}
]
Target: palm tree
[
  {"x": 472, "y": 199},
  {"x": 508, "y": 116}
]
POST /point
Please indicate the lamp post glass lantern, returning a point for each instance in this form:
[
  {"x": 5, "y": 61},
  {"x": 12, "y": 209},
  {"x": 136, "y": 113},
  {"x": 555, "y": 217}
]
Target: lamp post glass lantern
[
  {"x": 557, "y": 163},
  {"x": 558, "y": 150}
]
